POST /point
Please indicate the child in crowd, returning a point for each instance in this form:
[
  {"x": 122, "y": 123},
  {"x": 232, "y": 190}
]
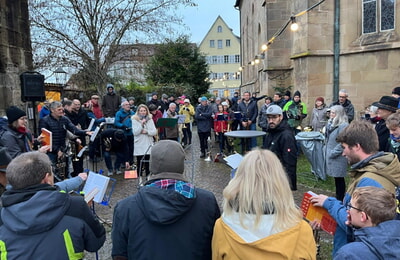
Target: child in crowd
[{"x": 221, "y": 126}]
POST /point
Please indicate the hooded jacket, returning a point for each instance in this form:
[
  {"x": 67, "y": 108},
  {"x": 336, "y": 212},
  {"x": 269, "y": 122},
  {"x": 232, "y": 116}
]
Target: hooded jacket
[
  {"x": 41, "y": 223},
  {"x": 110, "y": 103},
  {"x": 294, "y": 243},
  {"x": 379, "y": 170},
  {"x": 282, "y": 142},
  {"x": 163, "y": 224},
  {"x": 373, "y": 243}
]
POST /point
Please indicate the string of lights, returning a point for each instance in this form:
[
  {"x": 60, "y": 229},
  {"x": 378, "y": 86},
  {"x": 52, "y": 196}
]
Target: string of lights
[{"x": 293, "y": 26}]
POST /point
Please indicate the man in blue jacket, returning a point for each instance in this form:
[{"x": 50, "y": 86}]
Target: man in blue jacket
[
  {"x": 368, "y": 168},
  {"x": 40, "y": 222},
  {"x": 123, "y": 121},
  {"x": 168, "y": 218}
]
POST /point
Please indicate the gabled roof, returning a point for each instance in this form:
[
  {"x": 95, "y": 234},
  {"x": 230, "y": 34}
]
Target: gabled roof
[{"x": 212, "y": 26}]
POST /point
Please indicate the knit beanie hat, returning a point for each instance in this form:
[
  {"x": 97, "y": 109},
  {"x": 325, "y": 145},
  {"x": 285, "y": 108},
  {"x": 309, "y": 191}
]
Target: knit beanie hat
[
  {"x": 167, "y": 161},
  {"x": 287, "y": 93},
  {"x": 297, "y": 93},
  {"x": 14, "y": 113}
]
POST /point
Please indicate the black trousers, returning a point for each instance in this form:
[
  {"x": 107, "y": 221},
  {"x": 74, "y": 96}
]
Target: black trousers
[{"x": 203, "y": 141}]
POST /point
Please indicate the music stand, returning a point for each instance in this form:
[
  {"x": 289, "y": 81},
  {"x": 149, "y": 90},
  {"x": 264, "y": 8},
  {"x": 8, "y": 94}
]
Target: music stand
[{"x": 166, "y": 122}]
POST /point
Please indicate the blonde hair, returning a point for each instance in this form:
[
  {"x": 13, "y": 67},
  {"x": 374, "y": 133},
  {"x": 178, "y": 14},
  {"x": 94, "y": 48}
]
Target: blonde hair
[{"x": 260, "y": 187}]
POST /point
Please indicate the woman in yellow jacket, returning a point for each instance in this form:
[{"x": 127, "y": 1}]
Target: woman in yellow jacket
[
  {"x": 188, "y": 110},
  {"x": 260, "y": 219}
]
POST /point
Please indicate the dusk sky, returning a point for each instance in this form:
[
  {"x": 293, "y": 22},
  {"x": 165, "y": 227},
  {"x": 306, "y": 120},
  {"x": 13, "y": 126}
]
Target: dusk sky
[{"x": 199, "y": 19}]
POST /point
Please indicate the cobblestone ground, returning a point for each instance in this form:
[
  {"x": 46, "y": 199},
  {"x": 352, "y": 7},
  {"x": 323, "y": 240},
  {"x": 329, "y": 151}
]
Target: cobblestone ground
[{"x": 207, "y": 175}]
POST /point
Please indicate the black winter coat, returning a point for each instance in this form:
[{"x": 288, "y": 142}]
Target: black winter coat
[{"x": 282, "y": 142}]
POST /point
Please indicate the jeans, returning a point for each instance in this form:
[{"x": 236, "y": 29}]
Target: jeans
[
  {"x": 253, "y": 141},
  {"x": 118, "y": 161}
]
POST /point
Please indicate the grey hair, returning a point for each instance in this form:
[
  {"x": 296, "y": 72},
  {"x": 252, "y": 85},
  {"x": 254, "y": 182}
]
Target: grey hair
[
  {"x": 55, "y": 104},
  {"x": 28, "y": 169},
  {"x": 344, "y": 91},
  {"x": 172, "y": 104}
]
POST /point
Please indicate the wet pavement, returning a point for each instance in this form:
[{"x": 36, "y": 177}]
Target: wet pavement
[{"x": 212, "y": 176}]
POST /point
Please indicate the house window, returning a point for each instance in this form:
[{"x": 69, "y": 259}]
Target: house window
[
  {"x": 378, "y": 14},
  {"x": 214, "y": 60},
  {"x": 237, "y": 58},
  {"x": 226, "y": 59},
  {"x": 212, "y": 44},
  {"x": 228, "y": 43},
  {"x": 219, "y": 44},
  {"x": 219, "y": 29}
]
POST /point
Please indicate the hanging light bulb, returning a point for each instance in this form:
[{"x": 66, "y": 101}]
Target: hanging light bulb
[
  {"x": 252, "y": 63},
  {"x": 294, "y": 26},
  {"x": 264, "y": 47},
  {"x": 257, "y": 60}
]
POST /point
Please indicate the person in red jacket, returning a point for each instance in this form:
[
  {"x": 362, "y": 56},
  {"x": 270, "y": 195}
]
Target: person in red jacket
[{"x": 221, "y": 126}]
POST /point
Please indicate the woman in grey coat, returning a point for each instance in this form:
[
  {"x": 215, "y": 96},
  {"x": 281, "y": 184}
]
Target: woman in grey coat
[{"x": 335, "y": 163}]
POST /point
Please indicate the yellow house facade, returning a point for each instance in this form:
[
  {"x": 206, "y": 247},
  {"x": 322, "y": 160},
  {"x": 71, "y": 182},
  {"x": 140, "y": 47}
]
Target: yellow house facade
[{"x": 221, "y": 47}]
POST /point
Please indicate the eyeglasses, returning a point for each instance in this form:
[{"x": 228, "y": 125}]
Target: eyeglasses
[
  {"x": 349, "y": 206},
  {"x": 342, "y": 97}
]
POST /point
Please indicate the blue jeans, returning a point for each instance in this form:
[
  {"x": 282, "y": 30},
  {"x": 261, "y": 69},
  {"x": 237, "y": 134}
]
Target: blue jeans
[
  {"x": 118, "y": 161},
  {"x": 253, "y": 141}
]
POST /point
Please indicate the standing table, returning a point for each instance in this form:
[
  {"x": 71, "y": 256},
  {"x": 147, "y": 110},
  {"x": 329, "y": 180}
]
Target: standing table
[{"x": 245, "y": 135}]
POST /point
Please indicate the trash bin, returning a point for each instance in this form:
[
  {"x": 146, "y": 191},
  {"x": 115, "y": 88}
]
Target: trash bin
[{"x": 312, "y": 145}]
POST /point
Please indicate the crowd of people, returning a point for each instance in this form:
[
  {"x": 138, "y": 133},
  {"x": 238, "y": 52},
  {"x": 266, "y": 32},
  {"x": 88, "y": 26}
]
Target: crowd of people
[{"x": 260, "y": 218}]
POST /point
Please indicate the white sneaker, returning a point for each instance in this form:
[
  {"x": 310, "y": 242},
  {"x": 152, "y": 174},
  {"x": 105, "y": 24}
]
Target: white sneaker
[
  {"x": 110, "y": 173},
  {"x": 119, "y": 171}
]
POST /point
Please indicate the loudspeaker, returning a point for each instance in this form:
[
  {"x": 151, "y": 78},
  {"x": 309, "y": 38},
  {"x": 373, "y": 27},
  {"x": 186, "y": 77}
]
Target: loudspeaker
[{"x": 32, "y": 86}]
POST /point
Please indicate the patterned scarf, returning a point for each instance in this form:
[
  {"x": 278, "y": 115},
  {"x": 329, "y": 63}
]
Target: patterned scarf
[{"x": 184, "y": 188}]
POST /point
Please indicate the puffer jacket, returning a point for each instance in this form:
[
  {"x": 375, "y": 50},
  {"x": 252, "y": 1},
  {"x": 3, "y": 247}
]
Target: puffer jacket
[{"x": 59, "y": 130}]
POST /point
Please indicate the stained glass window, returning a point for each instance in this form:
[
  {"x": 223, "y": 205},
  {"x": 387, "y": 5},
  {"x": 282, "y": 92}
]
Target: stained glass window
[{"x": 387, "y": 15}]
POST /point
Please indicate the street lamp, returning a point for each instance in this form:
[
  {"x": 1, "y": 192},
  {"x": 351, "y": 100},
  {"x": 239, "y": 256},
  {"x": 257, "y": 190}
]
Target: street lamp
[{"x": 61, "y": 79}]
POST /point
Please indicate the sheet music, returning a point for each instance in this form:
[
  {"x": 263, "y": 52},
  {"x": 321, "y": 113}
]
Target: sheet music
[
  {"x": 181, "y": 119},
  {"x": 234, "y": 160},
  {"x": 93, "y": 136},
  {"x": 90, "y": 125},
  {"x": 96, "y": 181}
]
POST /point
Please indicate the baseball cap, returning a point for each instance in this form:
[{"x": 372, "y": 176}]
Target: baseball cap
[{"x": 274, "y": 110}]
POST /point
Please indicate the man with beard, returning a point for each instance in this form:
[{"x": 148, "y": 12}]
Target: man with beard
[
  {"x": 368, "y": 168},
  {"x": 280, "y": 140},
  {"x": 346, "y": 103},
  {"x": 81, "y": 120}
]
